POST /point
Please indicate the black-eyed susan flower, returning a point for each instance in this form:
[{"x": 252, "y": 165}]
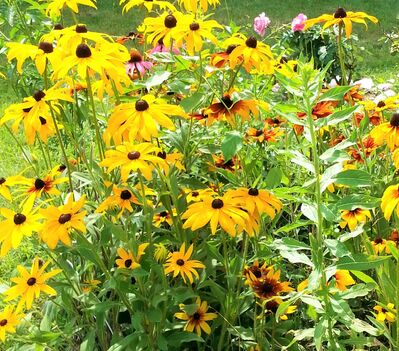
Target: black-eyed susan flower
[
  {"x": 29, "y": 285},
  {"x": 70, "y": 37},
  {"x": 40, "y": 54},
  {"x": 133, "y": 157},
  {"x": 162, "y": 4},
  {"x": 36, "y": 187},
  {"x": 387, "y": 312},
  {"x": 198, "y": 319},
  {"x": 251, "y": 53},
  {"x": 17, "y": 225},
  {"x": 179, "y": 262},
  {"x": 390, "y": 200},
  {"x": 255, "y": 271},
  {"x": 90, "y": 285},
  {"x": 341, "y": 17},
  {"x": 266, "y": 134},
  {"x": 130, "y": 121},
  {"x": 221, "y": 59},
  {"x": 224, "y": 211},
  {"x": 390, "y": 103},
  {"x": 163, "y": 217},
  {"x": 195, "y": 5},
  {"x": 257, "y": 201},
  {"x": 6, "y": 183},
  {"x": 192, "y": 31},
  {"x": 387, "y": 132},
  {"x": 230, "y": 165},
  {"x": 343, "y": 279},
  {"x": 127, "y": 259},
  {"x": 352, "y": 218},
  {"x": 55, "y": 6},
  {"x": 10, "y": 317},
  {"x": 380, "y": 246},
  {"x": 288, "y": 311},
  {"x": 121, "y": 198},
  {"x": 198, "y": 195},
  {"x": 60, "y": 221}
]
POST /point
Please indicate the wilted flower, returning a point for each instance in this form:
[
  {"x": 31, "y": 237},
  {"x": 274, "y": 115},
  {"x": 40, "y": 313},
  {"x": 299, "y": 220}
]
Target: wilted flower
[{"x": 261, "y": 23}]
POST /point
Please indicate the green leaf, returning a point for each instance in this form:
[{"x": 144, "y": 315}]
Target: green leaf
[
  {"x": 178, "y": 338},
  {"x": 274, "y": 177},
  {"x": 309, "y": 211},
  {"x": 360, "y": 262},
  {"x": 231, "y": 144},
  {"x": 290, "y": 227},
  {"x": 357, "y": 201},
  {"x": 334, "y": 94},
  {"x": 337, "y": 248},
  {"x": 157, "y": 79},
  {"x": 290, "y": 244},
  {"x": 191, "y": 103},
  {"x": 336, "y": 117},
  {"x": 320, "y": 332},
  {"x": 301, "y": 160},
  {"x": 296, "y": 257},
  {"x": 353, "y": 178}
]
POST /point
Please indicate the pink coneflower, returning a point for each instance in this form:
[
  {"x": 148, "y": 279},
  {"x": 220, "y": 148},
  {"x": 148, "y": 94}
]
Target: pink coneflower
[
  {"x": 261, "y": 23},
  {"x": 160, "y": 47},
  {"x": 298, "y": 23},
  {"x": 136, "y": 64}
]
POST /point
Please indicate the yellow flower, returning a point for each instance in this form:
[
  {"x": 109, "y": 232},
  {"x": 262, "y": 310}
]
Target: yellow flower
[
  {"x": 179, "y": 262},
  {"x": 387, "y": 132},
  {"x": 197, "y": 319},
  {"x": 390, "y": 103},
  {"x": 70, "y": 37},
  {"x": 39, "y": 54},
  {"x": 255, "y": 271},
  {"x": 59, "y": 222},
  {"x": 198, "y": 195},
  {"x": 390, "y": 200},
  {"x": 163, "y": 217},
  {"x": 90, "y": 284},
  {"x": 130, "y": 121},
  {"x": 250, "y": 53},
  {"x": 133, "y": 157},
  {"x": 343, "y": 279},
  {"x": 386, "y": 313},
  {"x": 192, "y": 31},
  {"x": 160, "y": 253},
  {"x": 380, "y": 245},
  {"x": 128, "y": 260},
  {"x": 55, "y": 6},
  {"x": 122, "y": 198},
  {"x": 351, "y": 218},
  {"x": 289, "y": 310},
  {"x": 17, "y": 225},
  {"x": 195, "y": 5},
  {"x": 162, "y": 4},
  {"x": 36, "y": 187},
  {"x": 341, "y": 17},
  {"x": 395, "y": 158},
  {"x": 5, "y": 184},
  {"x": 9, "y": 319},
  {"x": 30, "y": 284},
  {"x": 221, "y": 210}
]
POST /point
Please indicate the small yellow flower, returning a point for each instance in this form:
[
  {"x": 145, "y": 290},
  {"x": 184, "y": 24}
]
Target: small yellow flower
[
  {"x": 351, "y": 218},
  {"x": 160, "y": 253},
  {"x": 388, "y": 313},
  {"x": 9, "y": 319},
  {"x": 343, "y": 279},
  {"x": 55, "y": 6},
  {"x": 390, "y": 200},
  {"x": 128, "y": 260}
]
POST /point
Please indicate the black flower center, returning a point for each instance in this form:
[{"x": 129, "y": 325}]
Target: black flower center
[
  {"x": 257, "y": 273},
  {"x": 266, "y": 287},
  {"x": 162, "y": 154},
  {"x": 65, "y": 217},
  {"x": 3, "y": 322},
  {"x": 58, "y": 26},
  {"x": 39, "y": 184},
  {"x": 395, "y": 120},
  {"x": 180, "y": 262},
  {"x": 381, "y": 104},
  {"x": 230, "y": 49},
  {"x": 227, "y": 101},
  {"x": 43, "y": 121},
  {"x": 46, "y": 47},
  {"x": 26, "y": 110},
  {"x": 31, "y": 281},
  {"x": 126, "y": 195},
  {"x": 217, "y": 203},
  {"x": 2, "y": 180},
  {"x": 195, "y": 193},
  {"x": 253, "y": 192},
  {"x": 133, "y": 155},
  {"x": 196, "y": 316},
  {"x": 83, "y": 51},
  {"x": 81, "y": 28},
  {"x": 61, "y": 168},
  {"x": 340, "y": 13},
  {"x": 19, "y": 218},
  {"x": 259, "y": 132},
  {"x": 141, "y": 105},
  {"x": 128, "y": 263},
  {"x": 251, "y": 42},
  {"x": 163, "y": 214},
  {"x": 170, "y": 21},
  {"x": 194, "y": 26},
  {"x": 39, "y": 95},
  {"x": 378, "y": 240}
]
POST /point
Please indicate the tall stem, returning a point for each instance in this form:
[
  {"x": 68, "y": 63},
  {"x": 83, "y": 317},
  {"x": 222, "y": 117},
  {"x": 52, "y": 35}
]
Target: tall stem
[{"x": 341, "y": 56}]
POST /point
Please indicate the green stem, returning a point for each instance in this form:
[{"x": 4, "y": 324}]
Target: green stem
[{"x": 341, "y": 56}]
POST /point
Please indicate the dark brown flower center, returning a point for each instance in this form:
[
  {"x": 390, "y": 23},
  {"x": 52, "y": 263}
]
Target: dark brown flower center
[
  {"x": 39, "y": 184},
  {"x": 340, "y": 13},
  {"x": 61, "y": 168},
  {"x": 195, "y": 193},
  {"x": 81, "y": 28},
  {"x": 395, "y": 120},
  {"x": 133, "y": 155},
  {"x": 46, "y": 47},
  {"x": 227, "y": 101},
  {"x": 378, "y": 240},
  {"x": 128, "y": 263},
  {"x": 26, "y": 110},
  {"x": 43, "y": 121},
  {"x": 39, "y": 95},
  {"x": 126, "y": 195},
  {"x": 83, "y": 51},
  {"x": 170, "y": 21},
  {"x": 2, "y": 180},
  {"x": 230, "y": 49},
  {"x": 253, "y": 192},
  {"x": 19, "y": 218},
  {"x": 257, "y": 273},
  {"x": 3, "y": 322},
  {"x": 266, "y": 287},
  {"x": 31, "y": 281},
  {"x": 194, "y": 26},
  {"x": 65, "y": 217},
  {"x": 196, "y": 316},
  {"x": 251, "y": 42},
  {"x": 162, "y": 154},
  {"x": 135, "y": 57},
  {"x": 381, "y": 104},
  {"x": 217, "y": 203},
  {"x": 180, "y": 262},
  {"x": 141, "y": 105},
  {"x": 259, "y": 132},
  {"x": 163, "y": 214},
  {"x": 58, "y": 26}
]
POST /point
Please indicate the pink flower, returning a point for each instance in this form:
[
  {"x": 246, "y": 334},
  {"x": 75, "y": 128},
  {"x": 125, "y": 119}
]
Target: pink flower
[
  {"x": 261, "y": 23},
  {"x": 298, "y": 23},
  {"x": 162, "y": 48},
  {"x": 137, "y": 64}
]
